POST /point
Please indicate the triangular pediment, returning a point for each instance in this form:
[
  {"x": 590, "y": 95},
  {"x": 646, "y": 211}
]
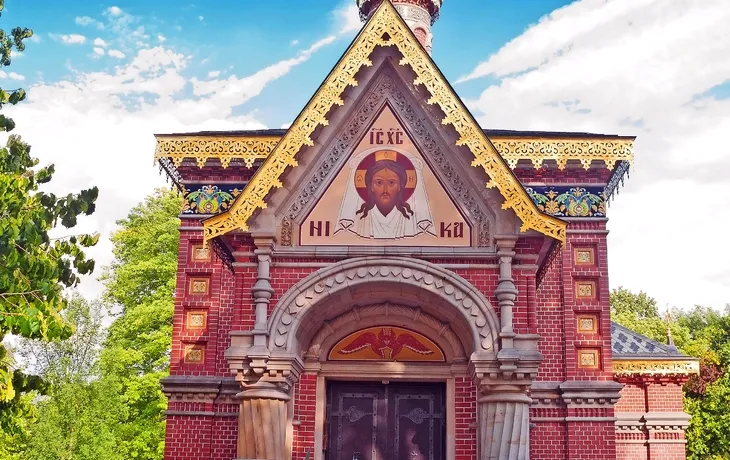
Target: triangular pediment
[
  {"x": 385, "y": 29},
  {"x": 385, "y": 194}
]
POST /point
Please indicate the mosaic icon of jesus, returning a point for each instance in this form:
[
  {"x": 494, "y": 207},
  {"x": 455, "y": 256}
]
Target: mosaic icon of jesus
[{"x": 385, "y": 198}]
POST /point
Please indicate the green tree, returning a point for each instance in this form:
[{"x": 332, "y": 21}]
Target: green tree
[
  {"x": 707, "y": 396},
  {"x": 640, "y": 313},
  {"x": 140, "y": 285},
  {"x": 75, "y": 358},
  {"x": 34, "y": 268},
  {"x": 703, "y": 333},
  {"x": 77, "y": 418}
]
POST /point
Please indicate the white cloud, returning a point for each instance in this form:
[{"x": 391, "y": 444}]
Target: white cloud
[
  {"x": 35, "y": 38},
  {"x": 294, "y": 42},
  {"x": 234, "y": 91},
  {"x": 107, "y": 140},
  {"x": 161, "y": 38},
  {"x": 214, "y": 73},
  {"x": 116, "y": 54},
  {"x": 69, "y": 39},
  {"x": 115, "y": 11},
  {"x": 88, "y": 21},
  {"x": 99, "y": 51},
  {"x": 641, "y": 67},
  {"x": 200, "y": 18},
  {"x": 99, "y": 42},
  {"x": 348, "y": 18},
  {"x": 15, "y": 76}
]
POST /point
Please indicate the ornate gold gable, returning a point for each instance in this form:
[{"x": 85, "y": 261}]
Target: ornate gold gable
[{"x": 385, "y": 28}]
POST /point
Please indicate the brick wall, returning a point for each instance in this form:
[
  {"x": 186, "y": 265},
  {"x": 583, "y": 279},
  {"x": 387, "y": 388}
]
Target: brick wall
[
  {"x": 549, "y": 441},
  {"x": 646, "y": 396},
  {"x": 188, "y": 438},
  {"x": 591, "y": 441},
  {"x": 305, "y": 396},
  {"x": 466, "y": 418},
  {"x": 550, "y": 319}
]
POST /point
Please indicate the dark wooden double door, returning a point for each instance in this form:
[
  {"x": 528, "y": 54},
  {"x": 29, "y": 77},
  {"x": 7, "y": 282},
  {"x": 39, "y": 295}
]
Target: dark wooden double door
[{"x": 396, "y": 421}]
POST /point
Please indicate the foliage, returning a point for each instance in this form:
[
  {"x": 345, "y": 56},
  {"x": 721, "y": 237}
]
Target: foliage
[
  {"x": 105, "y": 401},
  {"x": 140, "y": 284},
  {"x": 76, "y": 419},
  {"x": 34, "y": 268},
  {"x": 701, "y": 332},
  {"x": 76, "y": 422},
  {"x": 61, "y": 361}
]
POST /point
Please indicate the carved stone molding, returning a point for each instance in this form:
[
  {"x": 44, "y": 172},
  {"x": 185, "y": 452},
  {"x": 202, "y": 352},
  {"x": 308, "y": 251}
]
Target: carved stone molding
[
  {"x": 423, "y": 134},
  {"x": 358, "y": 317},
  {"x": 383, "y": 276},
  {"x": 590, "y": 394},
  {"x": 195, "y": 389}
]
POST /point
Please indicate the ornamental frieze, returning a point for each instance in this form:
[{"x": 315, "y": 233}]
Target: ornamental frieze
[
  {"x": 567, "y": 201},
  {"x": 227, "y": 148},
  {"x": 209, "y": 198},
  {"x": 655, "y": 367}
]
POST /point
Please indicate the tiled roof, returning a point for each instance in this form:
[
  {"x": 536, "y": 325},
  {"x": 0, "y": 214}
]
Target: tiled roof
[{"x": 626, "y": 343}]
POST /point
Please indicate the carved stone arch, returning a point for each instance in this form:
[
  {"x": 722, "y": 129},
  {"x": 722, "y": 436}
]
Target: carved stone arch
[
  {"x": 386, "y": 314},
  {"x": 331, "y": 291}
]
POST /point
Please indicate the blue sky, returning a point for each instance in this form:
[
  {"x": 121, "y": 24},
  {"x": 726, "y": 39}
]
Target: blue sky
[
  {"x": 239, "y": 37},
  {"x": 103, "y": 76}
]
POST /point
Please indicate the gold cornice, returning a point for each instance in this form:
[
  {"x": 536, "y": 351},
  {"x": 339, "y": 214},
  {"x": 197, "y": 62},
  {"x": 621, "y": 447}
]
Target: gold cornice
[
  {"x": 385, "y": 28},
  {"x": 513, "y": 149},
  {"x": 562, "y": 150},
  {"x": 640, "y": 367},
  {"x": 223, "y": 148}
]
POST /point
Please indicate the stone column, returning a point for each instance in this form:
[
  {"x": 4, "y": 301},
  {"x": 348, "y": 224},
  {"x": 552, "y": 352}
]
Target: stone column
[
  {"x": 262, "y": 290},
  {"x": 504, "y": 420},
  {"x": 266, "y": 380},
  {"x": 506, "y": 291},
  {"x": 262, "y": 422},
  {"x": 503, "y": 402}
]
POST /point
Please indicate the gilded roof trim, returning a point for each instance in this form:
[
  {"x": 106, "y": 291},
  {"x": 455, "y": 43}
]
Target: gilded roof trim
[
  {"x": 654, "y": 367},
  {"x": 385, "y": 28},
  {"x": 226, "y": 148}
]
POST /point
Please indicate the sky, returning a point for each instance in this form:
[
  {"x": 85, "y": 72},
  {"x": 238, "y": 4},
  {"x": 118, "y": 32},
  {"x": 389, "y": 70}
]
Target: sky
[{"x": 103, "y": 77}]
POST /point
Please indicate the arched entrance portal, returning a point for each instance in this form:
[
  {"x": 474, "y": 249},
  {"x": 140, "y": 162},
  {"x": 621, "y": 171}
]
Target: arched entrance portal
[{"x": 367, "y": 295}]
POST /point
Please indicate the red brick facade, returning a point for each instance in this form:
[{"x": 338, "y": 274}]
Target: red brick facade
[{"x": 521, "y": 319}]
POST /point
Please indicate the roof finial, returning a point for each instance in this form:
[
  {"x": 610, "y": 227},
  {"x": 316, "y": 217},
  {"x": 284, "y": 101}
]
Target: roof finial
[
  {"x": 418, "y": 14},
  {"x": 668, "y": 320}
]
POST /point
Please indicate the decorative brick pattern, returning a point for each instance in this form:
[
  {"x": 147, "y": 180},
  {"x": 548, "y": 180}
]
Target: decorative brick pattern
[
  {"x": 585, "y": 290},
  {"x": 198, "y": 286},
  {"x": 587, "y": 323},
  {"x": 589, "y": 358},
  {"x": 194, "y": 354},
  {"x": 584, "y": 256},
  {"x": 200, "y": 253},
  {"x": 196, "y": 320}
]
